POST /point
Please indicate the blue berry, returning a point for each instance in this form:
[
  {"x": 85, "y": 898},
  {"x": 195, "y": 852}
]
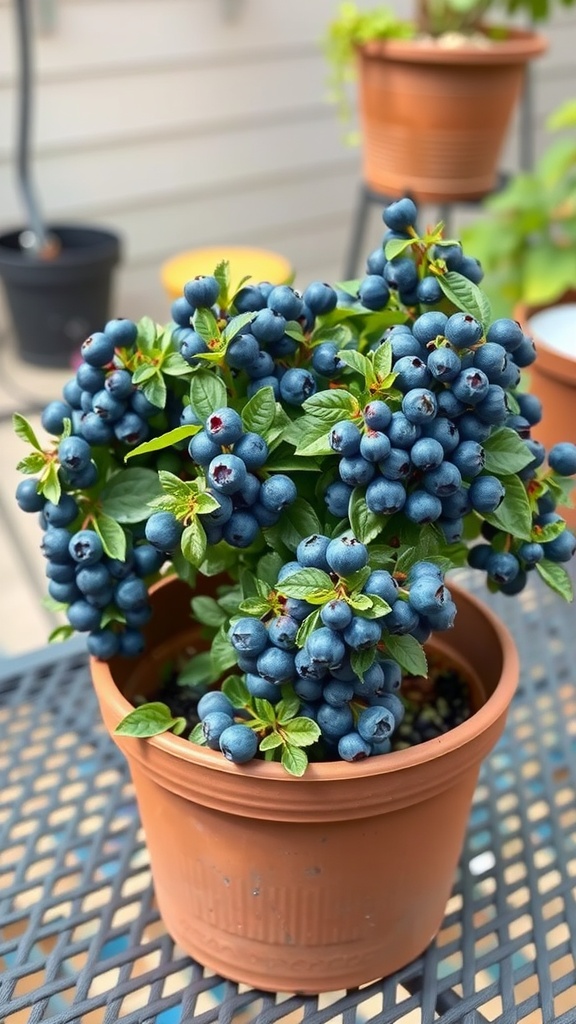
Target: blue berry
[
  {"x": 238, "y": 743},
  {"x": 224, "y": 426},
  {"x": 85, "y": 547},
  {"x": 28, "y": 497},
  {"x": 346, "y": 555},
  {"x": 562, "y": 458},
  {"x": 226, "y": 474},
  {"x": 163, "y": 530},
  {"x": 98, "y": 349},
  {"x": 345, "y": 438},
  {"x": 277, "y": 492},
  {"x": 241, "y": 529},
  {"x": 462, "y": 330},
  {"x": 296, "y": 385},
  {"x": 203, "y": 291},
  {"x": 121, "y": 331},
  {"x": 486, "y": 492}
]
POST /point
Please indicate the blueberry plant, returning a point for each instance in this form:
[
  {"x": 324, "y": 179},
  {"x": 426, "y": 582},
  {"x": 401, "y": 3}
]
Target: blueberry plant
[{"x": 331, "y": 455}]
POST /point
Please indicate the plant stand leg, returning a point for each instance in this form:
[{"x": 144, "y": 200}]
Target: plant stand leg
[{"x": 358, "y": 230}]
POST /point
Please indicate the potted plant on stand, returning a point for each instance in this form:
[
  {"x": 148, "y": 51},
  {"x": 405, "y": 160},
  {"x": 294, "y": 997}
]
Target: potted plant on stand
[
  {"x": 526, "y": 242},
  {"x": 251, "y": 513},
  {"x": 436, "y": 94}
]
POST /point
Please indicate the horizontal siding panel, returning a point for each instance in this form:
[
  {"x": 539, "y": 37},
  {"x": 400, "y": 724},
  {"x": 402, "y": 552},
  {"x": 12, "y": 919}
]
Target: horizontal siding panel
[
  {"x": 135, "y": 174},
  {"x": 237, "y": 217},
  {"x": 182, "y": 99},
  {"x": 117, "y": 33}
]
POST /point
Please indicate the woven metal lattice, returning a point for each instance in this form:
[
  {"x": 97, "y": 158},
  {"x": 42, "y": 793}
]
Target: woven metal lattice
[{"x": 80, "y": 936}]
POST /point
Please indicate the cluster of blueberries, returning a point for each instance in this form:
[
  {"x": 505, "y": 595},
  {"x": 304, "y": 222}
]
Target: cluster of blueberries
[
  {"x": 421, "y": 455},
  {"x": 81, "y": 575},
  {"x": 356, "y": 716},
  {"x": 263, "y": 347}
]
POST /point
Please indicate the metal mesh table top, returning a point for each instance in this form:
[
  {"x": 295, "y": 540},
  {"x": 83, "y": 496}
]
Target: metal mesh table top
[{"x": 80, "y": 936}]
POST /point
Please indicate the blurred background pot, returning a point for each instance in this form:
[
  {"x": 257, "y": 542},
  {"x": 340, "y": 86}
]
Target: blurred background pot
[
  {"x": 419, "y": 103},
  {"x": 55, "y": 303},
  {"x": 316, "y": 883}
]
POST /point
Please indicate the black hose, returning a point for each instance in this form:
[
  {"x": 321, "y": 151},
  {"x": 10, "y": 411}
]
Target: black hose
[{"x": 39, "y": 239}]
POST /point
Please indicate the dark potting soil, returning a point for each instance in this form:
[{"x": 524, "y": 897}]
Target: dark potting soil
[{"x": 434, "y": 704}]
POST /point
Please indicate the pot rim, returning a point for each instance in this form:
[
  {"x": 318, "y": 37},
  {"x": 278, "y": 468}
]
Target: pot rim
[
  {"x": 520, "y": 45},
  {"x": 330, "y": 771}
]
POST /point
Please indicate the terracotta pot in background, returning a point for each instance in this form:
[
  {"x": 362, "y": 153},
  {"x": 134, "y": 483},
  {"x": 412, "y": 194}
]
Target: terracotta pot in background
[
  {"x": 433, "y": 119},
  {"x": 310, "y": 884},
  {"x": 553, "y": 375}
]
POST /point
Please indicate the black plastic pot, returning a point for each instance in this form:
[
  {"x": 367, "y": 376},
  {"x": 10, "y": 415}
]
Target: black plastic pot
[{"x": 56, "y": 303}]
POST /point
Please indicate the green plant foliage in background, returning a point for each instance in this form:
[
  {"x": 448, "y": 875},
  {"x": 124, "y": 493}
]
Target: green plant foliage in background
[{"x": 525, "y": 237}]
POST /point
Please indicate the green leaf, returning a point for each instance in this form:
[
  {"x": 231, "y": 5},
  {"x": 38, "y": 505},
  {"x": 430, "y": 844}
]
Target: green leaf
[
  {"x": 361, "y": 661},
  {"x": 268, "y": 568},
  {"x": 146, "y": 334},
  {"x": 314, "y": 440},
  {"x": 172, "y": 437},
  {"x": 514, "y": 514},
  {"x": 236, "y": 324},
  {"x": 174, "y": 365},
  {"x": 60, "y": 634},
  {"x": 127, "y": 494},
  {"x": 257, "y": 606},
  {"x": 331, "y": 406},
  {"x": 357, "y": 362},
  {"x": 50, "y": 484},
  {"x": 32, "y": 463},
  {"x": 155, "y": 390},
  {"x": 174, "y": 486},
  {"x": 396, "y": 246},
  {"x": 543, "y": 534},
  {"x": 272, "y": 740},
  {"x": 278, "y": 463},
  {"x": 378, "y": 608},
  {"x": 223, "y": 654},
  {"x": 111, "y": 534},
  {"x": 307, "y": 627},
  {"x": 207, "y": 393},
  {"x": 143, "y": 373},
  {"x": 197, "y": 735},
  {"x": 339, "y": 334},
  {"x": 506, "y": 453},
  {"x": 305, "y": 583},
  {"x": 299, "y": 520},
  {"x": 408, "y": 653},
  {"x": 465, "y": 295},
  {"x": 302, "y": 732},
  {"x": 206, "y": 326},
  {"x": 207, "y": 611},
  {"x": 149, "y": 720},
  {"x": 294, "y": 760},
  {"x": 259, "y": 412},
  {"x": 366, "y": 525},
  {"x": 206, "y": 503},
  {"x": 236, "y": 690},
  {"x": 193, "y": 543},
  {"x": 556, "y": 577},
  {"x": 222, "y": 275},
  {"x": 360, "y": 602},
  {"x": 265, "y": 710},
  {"x": 289, "y": 706},
  {"x": 383, "y": 360},
  {"x": 24, "y": 431}
]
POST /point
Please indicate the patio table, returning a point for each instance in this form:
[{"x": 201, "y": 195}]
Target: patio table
[{"x": 80, "y": 935}]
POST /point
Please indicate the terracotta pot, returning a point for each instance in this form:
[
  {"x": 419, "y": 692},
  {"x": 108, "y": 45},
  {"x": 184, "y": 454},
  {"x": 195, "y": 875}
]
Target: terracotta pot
[
  {"x": 434, "y": 120},
  {"x": 553, "y": 380},
  {"x": 317, "y": 883}
]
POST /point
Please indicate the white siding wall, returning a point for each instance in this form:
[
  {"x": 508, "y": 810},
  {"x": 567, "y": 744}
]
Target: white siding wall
[{"x": 180, "y": 126}]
